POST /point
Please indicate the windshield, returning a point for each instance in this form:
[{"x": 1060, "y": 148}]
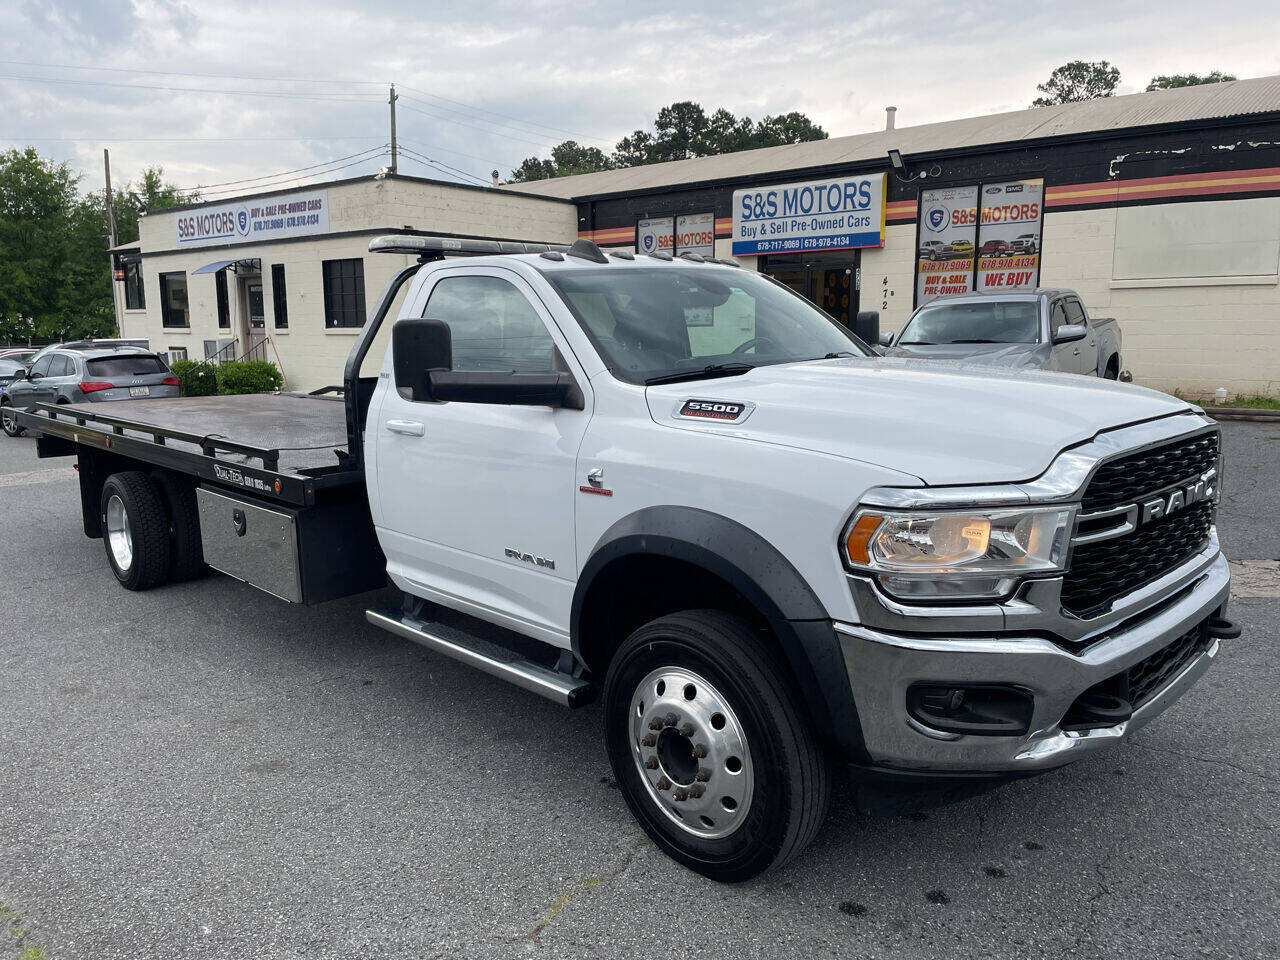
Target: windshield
[
  {"x": 658, "y": 322},
  {"x": 1016, "y": 321}
]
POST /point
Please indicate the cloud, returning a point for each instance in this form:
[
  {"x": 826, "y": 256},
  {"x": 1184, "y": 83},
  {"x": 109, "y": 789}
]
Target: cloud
[{"x": 487, "y": 83}]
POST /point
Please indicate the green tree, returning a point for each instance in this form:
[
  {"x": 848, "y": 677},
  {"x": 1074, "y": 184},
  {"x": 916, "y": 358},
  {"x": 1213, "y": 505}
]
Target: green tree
[
  {"x": 567, "y": 159},
  {"x": 1166, "y": 82},
  {"x": 680, "y": 130},
  {"x": 1076, "y": 81},
  {"x": 155, "y": 195}
]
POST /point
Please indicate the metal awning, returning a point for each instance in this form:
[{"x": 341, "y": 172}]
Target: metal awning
[{"x": 215, "y": 266}]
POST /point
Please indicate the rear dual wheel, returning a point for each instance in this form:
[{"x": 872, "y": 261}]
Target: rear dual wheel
[
  {"x": 135, "y": 530},
  {"x": 709, "y": 743}
]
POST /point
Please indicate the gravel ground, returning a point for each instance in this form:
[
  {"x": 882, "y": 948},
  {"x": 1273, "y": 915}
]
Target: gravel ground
[{"x": 203, "y": 771}]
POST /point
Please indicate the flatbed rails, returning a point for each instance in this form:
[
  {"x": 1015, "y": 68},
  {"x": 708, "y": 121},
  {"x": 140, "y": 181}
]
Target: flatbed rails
[{"x": 281, "y": 447}]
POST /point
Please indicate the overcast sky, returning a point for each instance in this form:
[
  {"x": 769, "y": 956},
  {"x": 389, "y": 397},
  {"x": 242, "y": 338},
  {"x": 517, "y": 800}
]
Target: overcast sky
[{"x": 486, "y": 84}]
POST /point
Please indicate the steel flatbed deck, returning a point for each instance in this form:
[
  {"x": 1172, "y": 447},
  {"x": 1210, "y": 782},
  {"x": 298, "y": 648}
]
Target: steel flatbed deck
[{"x": 280, "y": 447}]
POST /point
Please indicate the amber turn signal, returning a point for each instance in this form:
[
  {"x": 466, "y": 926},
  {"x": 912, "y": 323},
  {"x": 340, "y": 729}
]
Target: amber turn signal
[{"x": 860, "y": 534}]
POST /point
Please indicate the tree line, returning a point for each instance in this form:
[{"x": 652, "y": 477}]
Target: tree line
[
  {"x": 55, "y": 283},
  {"x": 1089, "y": 80},
  {"x": 681, "y": 130}
]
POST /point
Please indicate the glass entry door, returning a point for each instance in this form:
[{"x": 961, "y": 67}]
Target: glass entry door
[{"x": 828, "y": 279}]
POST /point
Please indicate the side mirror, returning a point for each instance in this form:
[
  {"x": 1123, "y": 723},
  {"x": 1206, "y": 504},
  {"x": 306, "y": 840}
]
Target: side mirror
[
  {"x": 886, "y": 339},
  {"x": 20, "y": 374},
  {"x": 417, "y": 348},
  {"x": 422, "y": 357},
  {"x": 1070, "y": 333},
  {"x": 867, "y": 325}
]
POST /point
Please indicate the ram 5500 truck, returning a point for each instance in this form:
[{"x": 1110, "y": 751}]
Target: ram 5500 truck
[{"x": 679, "y": 486}]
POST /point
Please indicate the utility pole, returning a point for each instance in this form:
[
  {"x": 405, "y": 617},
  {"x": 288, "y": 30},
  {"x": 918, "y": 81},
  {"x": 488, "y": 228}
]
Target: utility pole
[
  {"x": 392, "y": 101},
  {"x": 111, "y": 209}
]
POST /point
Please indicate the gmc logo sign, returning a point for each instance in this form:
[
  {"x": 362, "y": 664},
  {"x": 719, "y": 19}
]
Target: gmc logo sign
[{"x": 1185, "y": 496}]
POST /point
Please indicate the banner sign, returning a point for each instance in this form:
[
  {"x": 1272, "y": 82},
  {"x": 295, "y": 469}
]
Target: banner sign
[
  {"x": 817, "y": 215},
  {"x": 696, "y": 233},
  {"x": 268, "y": 218},
  {"x": 1009, "y": 235},
  {"x": 947, "y": 232},
  {"x": 655, "y": 236}
]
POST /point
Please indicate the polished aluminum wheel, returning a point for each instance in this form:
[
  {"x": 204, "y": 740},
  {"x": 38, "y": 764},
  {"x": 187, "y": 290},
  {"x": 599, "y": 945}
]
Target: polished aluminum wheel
[
  {"x": 119, "y": 539},
  {"x": 691, "y": 752}
]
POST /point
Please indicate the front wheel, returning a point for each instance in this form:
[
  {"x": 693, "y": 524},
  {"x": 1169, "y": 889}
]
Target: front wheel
[{"x": 711, "y": 747}]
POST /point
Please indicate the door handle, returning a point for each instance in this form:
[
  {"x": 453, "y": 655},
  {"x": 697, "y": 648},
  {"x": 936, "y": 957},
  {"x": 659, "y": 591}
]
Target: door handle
[
  {"x": 410, "y": 428},
  {"x": 1076, "y": 351}
]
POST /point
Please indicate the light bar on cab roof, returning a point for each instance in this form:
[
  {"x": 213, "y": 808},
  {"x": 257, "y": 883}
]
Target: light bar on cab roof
[{"x": 436, "y": 247}]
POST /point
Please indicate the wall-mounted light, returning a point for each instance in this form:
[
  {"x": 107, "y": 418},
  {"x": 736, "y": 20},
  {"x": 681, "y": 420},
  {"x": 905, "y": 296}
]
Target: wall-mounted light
[{"x": 895, "y": 160}]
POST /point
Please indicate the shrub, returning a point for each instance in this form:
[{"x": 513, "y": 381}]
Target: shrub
[
  {"x": 248, "y": 376},
  {"x": 195, "y": 379}
]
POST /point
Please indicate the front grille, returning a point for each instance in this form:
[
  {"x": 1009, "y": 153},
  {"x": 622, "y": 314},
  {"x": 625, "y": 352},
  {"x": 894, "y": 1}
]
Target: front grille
[
  {"x": 1130, "y": 478},
  {"x": 1148, "y": 677},
  {"x": 1104, "y": 571}
]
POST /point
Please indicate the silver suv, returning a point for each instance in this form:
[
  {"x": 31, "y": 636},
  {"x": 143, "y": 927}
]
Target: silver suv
[{"x": 90, "y": 374}]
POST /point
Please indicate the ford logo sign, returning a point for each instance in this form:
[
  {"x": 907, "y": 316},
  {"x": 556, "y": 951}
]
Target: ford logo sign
[
  {"x": 991, "y": 190},
  {"x": 937, "y": 219}
]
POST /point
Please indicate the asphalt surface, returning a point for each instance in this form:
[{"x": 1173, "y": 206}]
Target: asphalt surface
[{"x": 203, "y": 771}]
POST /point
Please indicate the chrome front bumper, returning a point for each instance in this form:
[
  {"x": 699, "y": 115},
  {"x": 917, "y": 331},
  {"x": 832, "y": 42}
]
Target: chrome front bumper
[{"x": 882, "y": 666}]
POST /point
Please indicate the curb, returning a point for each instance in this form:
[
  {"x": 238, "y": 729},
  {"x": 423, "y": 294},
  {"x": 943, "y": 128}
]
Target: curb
[{"x": 1243, "y": 413}]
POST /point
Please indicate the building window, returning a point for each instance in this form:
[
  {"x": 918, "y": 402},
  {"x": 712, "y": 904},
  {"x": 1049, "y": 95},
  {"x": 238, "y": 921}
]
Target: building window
[
  {"x": 279, "y": 300},
  {"x": 134, "y": 298},
  {"x": 176, "y": 353},
  {"x": 343, "y": 293},
  {"x": 173, "y": 300},
  {"x": 224, "y": 302}
]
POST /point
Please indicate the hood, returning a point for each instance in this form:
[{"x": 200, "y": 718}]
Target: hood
[
  {"x": 943, "y": 423},
  {"x": 1015, "y": 356}
]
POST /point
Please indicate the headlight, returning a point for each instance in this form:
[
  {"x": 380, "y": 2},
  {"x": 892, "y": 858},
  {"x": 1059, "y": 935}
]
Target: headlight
[{"x": 958, "y": 555}]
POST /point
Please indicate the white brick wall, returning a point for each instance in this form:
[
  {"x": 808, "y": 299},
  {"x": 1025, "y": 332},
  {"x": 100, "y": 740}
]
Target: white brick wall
[{"x": 311, "y": 355}]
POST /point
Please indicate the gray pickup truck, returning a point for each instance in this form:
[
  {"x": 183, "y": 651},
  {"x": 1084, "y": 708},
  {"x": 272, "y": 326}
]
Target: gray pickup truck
[{"x": 1042, "y": 329}]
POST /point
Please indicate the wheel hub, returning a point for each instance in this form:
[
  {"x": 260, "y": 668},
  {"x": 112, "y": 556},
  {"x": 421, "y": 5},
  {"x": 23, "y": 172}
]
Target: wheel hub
[
  {"x": 692, "y": 753},
  {"x": 119, "y": 539}
]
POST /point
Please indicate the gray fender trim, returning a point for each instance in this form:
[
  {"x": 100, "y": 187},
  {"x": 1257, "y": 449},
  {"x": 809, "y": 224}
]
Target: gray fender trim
[{"x": 757, "y": 570}]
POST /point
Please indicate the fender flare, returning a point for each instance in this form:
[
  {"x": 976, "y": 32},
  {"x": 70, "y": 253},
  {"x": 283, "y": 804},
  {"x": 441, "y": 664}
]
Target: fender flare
[{"x": 758, "y": 571}]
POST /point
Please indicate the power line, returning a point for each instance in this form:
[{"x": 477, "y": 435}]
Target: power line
[
  {"x": 371, "y": 136},
  {"x": 539, "y": 144},
  {"x": 366, "y": 154},
  {"x": 407, "y": 155},
  {"x": 178, "y": 73},
  {"x": 354, "y": 98},
  {"x": 441, "y": 165},
  {"x": 495, "y": 123},
  {"x": 507, "y": 116},
  {"x": 291, "y": 180}
]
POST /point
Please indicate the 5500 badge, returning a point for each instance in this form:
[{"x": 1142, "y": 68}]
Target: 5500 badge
[{"x": 726, "y": 411}]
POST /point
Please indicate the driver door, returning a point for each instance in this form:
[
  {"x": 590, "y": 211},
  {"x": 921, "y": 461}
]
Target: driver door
[
  {"x": 477, "y": 499},
  {"x": 24, "y": 392}
]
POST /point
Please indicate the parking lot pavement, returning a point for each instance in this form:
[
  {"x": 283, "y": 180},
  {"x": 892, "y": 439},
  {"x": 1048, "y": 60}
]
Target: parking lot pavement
[{"x": 203, "y": 771}]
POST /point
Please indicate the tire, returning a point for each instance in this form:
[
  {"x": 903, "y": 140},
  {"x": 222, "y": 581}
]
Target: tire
[
  {"x": 7, "y": 422},
  {"x": 186, "y": 555},
  {"x": 741, "y": 822},
  {"x": 135, "y": 530}
]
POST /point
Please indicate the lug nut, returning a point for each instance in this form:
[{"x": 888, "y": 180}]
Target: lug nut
[
  {"x": 655, "y": 723},
  {"x": 697, "y": 790},
  {"x": 699, "y": 750},
  {"x": 686, "y": 729},
  {"x": 651, "y": 763},
  {"x": 649, "y": 740},
  {"x": 703, "y": 775},
  {"x": 663, "y": 783},
  {"x": 679, "y": 793},
  {"x": 672, "y": 719}
]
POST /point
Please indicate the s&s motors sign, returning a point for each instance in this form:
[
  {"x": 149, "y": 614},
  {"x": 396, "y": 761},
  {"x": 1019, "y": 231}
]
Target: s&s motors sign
[
  {"x": 817, "y": 215},
  {"x": 268, "y": 218}
]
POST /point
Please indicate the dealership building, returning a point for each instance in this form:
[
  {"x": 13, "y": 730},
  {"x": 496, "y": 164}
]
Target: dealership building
[{"x": 1161, "y": 209}]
